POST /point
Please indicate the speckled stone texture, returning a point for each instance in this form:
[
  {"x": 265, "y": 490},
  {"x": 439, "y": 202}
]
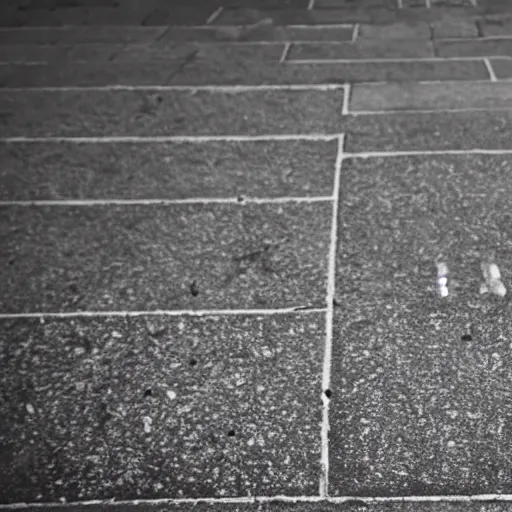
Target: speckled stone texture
[
  {"x": 160, "y": 407},
  {"x": 422, "y": 96},
  {"x": 168, "y": 170},
  {"x": 207, "y": 72},
  {"x": 421, "y": 398},
  {"x": 145, "y": 257},
  {"x": 80, "y": 34},
  {"x": 75, "y": 113},
  {"x": 361, "y": 49},
  {"x": 428, "y": 131}
]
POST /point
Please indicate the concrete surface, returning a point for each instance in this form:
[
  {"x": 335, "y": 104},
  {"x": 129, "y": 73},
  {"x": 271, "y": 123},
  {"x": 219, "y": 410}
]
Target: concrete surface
[{"x": 218, "y": 260}]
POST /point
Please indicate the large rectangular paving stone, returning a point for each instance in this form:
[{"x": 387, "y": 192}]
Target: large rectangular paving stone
[
  {"x": 250, "y": 54},
  {"x": 207, "y": 73},
  {"x": 145, "y": 257},
  {"x": 79, "y": 34},
  {"x": 401, "y": 31},
  {"x": 474, "y": 48},
  {"x": 184, "y": 15},
  {"x": 263, "y": 31},
  {"x": 288, "y": 16},
  {"x": 502, "y": 68},
  {"x": 428, "y": 131},
  {"x": 94, "y": 74},
  {"x": 361, "y": 49},
  {"x": 421, "y": 400},
  {"x": 330, "y": 16},
  {"x": 79, "y": 15},
  {"x": 76, "y": 113},
  {"x": 435, "y": 96},
  {"x": 155, "y": 407},
  {"x": 56, "y": 53},
  {"x": 180, "y": 170}
]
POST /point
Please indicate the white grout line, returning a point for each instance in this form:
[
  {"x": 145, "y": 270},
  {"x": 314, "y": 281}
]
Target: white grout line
[
  {"x": 286, "y": 51},
  {"x": 158, "y": 312},
  {"x": 200, "y": 200},
  {"x": 389, "y": 60},
  {"x": 355, "y": 32},
  {"x": 185, "y": 88},
  {"x": 311, "y": 5},
  {"x": 431, "y": 152},
  {"x": 492, "y": 75},
  {"x": 478, "y": 498},
  {"x": 331, "y": 283},
  {"x": 346, "y": 100},
  {"x": 215, "y": 14},
  {"x": 173, "y": 138},
  {"x": 427, "y": 111}
]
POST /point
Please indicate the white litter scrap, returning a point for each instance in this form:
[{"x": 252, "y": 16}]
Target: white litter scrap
[
  {"x": 442, "y": 279},
  {"x": 147, "y": 424},
  {"x": 492, "y": 277}
]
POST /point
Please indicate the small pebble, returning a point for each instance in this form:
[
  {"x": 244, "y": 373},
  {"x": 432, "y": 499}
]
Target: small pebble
[{"x": 30, "y": 408}]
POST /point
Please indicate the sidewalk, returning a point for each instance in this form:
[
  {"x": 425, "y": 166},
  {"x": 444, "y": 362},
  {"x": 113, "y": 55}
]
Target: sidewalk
[{"x": 222, "y": 223}]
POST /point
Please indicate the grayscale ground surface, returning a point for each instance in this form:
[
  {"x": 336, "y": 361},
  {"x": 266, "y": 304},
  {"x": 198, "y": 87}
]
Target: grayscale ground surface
[{"x": 226, "y": 227}]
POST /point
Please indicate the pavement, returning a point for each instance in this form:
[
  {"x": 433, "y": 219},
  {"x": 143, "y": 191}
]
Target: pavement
[{"x": 256, "y": 255}]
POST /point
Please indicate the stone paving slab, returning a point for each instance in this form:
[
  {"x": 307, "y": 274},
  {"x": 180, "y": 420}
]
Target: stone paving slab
[
  {"x": 435, "y": 96},
  {"x": 354, "y": 505},
  {"x": 499, "y": 27},
  {"x": 38, "y": 171},
  {"x": 146, "y": 257},
  {"x": 80, "y": 34},
  {"x": 221, "y": 393},
  {"x": 400, "y": 31},
  {"x": 361, "y": 49},
  {"x": 210, "y": 73},
  {"x": 428, "y": 131},
  {"x": 32, "y": 53},
  {"x": 97, "y": 15},
  {"x": 94, "y": 74},
  {"x": 264, "y": 31},
  {"x": 59, "y": 53},
  {"x": 502, "y": 68},
  {"x": 250, "y": 54},
  {"x": 377, "y": 15},
  {"x": 76, "y": 113},
  {"x": 474, "y": 48},
  {"x": 454, "y": 28},
  {"x": 182, "y": 16},
  {"x": 413, "y": 374}
]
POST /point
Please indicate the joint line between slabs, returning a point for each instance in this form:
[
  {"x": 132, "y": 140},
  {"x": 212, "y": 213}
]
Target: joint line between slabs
[
  {"x": 478, "y": 498},
  {"x": 215, "y": 14},
  {"x": 286, "y": 51},
  {"x": 490, "y": 70},
  {"x": 331, "y": 285},
  {"x": 196, "y": 139},
  {"x": 355, "y": 32},
  {"x": 171, "y": 313},
  {"x": 199, "y": 200},
  {"x": 347, "y": 90},
  {"x": 311, "y": 5}
]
